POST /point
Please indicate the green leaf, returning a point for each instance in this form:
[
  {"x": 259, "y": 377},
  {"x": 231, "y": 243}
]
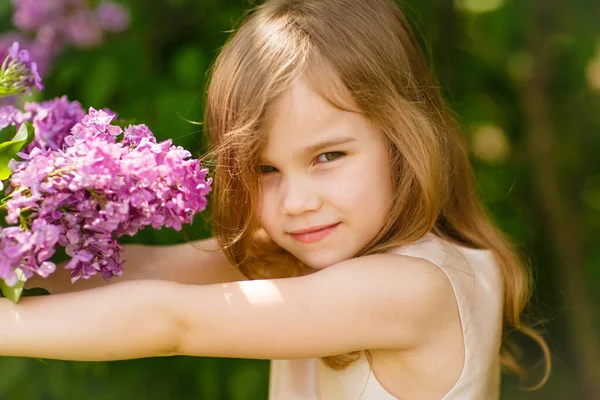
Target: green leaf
[
  {"x": 7, "y": 133},
  {"x": 14, "y": 293},
  {"x": 26, "y": 133},
  {"x": 9, "y": 150},
  {"x": 35, "y": 292}
]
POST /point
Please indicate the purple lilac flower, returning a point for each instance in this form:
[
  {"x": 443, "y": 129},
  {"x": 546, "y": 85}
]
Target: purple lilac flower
[
  {"x": 73, "y": 21},
  {"x": 6, "y": 41},
  {"x": 112, "y": 17},
  {"x": 82, "y": 28},
  {"x": 18, "y": 73},
  {"x": 59, "y": 23},
  {"x": 52, "y": 121},
  {"x": 94, "y": 190},
  {"x": 30, "y": 15},
  {"x": 15, "y": 247},
  {"x": 45, "y": 47},
  {"x": 41, "y": 48},
  {"x": 10, "y": 115},
  {"x": 27, "y": 250}
]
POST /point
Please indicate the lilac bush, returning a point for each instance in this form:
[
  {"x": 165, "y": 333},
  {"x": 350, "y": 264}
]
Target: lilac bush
[
  {"x": 73, "y": 21},
  {"x": 75, "y": 180},
  {"x": 47, "y": 26}
]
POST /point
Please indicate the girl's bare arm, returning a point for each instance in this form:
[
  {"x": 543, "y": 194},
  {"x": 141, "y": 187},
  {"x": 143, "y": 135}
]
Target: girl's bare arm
[
  {"x": 372, "y": 302},
  {"x": 196, "y": 263}
]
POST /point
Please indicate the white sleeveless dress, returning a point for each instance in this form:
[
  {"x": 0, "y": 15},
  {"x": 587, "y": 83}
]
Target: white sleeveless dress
[{"x": 477, "y": 283}]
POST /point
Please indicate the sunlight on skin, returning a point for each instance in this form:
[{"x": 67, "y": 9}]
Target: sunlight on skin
[
  {"x": 260, "y": 292},
  {"x": 16, "y": 316},
  {"x": 228, "y": 297}
]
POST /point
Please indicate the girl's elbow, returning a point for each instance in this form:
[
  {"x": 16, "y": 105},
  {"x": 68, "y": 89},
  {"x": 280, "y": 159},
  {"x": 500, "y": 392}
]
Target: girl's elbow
[
  {"x": 174, "y": 343},
  {"x": 153, "y": 322}
]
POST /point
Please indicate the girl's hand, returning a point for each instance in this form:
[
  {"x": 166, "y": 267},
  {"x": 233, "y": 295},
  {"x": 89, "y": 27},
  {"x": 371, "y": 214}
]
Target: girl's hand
[
  {"x": 198, "y": 263},
  {"x": 374, "y": 302}
]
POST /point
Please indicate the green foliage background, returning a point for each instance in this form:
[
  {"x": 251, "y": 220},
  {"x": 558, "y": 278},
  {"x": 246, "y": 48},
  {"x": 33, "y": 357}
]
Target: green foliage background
[{"x": 156, "y": 72}]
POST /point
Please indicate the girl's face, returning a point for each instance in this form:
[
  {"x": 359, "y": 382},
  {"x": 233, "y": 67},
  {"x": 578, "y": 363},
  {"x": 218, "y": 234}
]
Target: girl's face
[{"x": 325, "y": 179}]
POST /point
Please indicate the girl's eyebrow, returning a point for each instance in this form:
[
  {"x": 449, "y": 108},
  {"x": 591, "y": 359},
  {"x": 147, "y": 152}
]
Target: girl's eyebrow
[{"x": 328, "y": 143}]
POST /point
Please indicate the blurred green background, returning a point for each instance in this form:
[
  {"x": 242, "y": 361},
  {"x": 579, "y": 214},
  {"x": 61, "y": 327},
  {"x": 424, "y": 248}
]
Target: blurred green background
[{"x": 524, "y": 79}]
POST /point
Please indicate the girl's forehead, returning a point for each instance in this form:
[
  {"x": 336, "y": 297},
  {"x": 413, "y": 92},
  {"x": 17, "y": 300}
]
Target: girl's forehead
[
  {"x": 309, "y": 106},
  {"x": 302, "y": 120},
  {"x": 300, "y": 104}
]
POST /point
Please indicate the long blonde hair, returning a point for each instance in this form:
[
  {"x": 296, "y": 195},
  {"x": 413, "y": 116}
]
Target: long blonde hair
[{"x": 365, "y": 49}]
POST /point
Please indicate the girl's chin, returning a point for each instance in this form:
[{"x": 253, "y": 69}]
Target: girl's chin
[{"x": 317, "y": 263}]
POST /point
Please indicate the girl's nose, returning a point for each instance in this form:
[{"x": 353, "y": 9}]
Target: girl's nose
[{"x": 299, "y": 196}]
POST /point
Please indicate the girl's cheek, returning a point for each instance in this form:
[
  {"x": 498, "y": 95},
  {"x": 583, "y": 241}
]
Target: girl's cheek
[
  {"x": 342, "y": 185},
  {"x": 267, "y": 189},
  {"x": 263, "y": 205},
  {"x": 269, "y": 205}
]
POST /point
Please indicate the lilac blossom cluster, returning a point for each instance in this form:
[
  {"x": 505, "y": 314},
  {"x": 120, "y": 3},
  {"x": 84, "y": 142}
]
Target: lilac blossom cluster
[
  {"x": 10, "y": 115},
  {"x": 93, "y": 190},
  {"x": 18, "y": 73},
  {"x": 54, "y": 24},
  {"x": 52, "y": 120}
]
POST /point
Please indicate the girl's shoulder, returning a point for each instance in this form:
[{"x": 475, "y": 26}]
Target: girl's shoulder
[
  {"x": 475, "y": 277},
  {"x": 426, "y": 280},
  {"x": 415, "y": 292},
  {"x": 457, "y": 262}
]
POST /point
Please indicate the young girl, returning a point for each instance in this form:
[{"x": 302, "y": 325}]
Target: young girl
[{"x": 351, "y": 250}]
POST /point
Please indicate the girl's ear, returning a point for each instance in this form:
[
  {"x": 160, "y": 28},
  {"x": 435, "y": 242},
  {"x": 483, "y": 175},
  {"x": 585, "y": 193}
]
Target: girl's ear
[{"x": 267, "y": 260}]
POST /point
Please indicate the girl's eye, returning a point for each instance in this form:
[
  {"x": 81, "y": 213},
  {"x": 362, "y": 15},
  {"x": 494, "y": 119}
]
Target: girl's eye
[
  {"x": 266, "y": 169},
  {"x": 330, "y": 156}
]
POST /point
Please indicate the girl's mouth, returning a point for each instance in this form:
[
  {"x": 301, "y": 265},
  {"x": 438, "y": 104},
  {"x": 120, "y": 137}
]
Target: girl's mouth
[{"x": 313, "y": 235}]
